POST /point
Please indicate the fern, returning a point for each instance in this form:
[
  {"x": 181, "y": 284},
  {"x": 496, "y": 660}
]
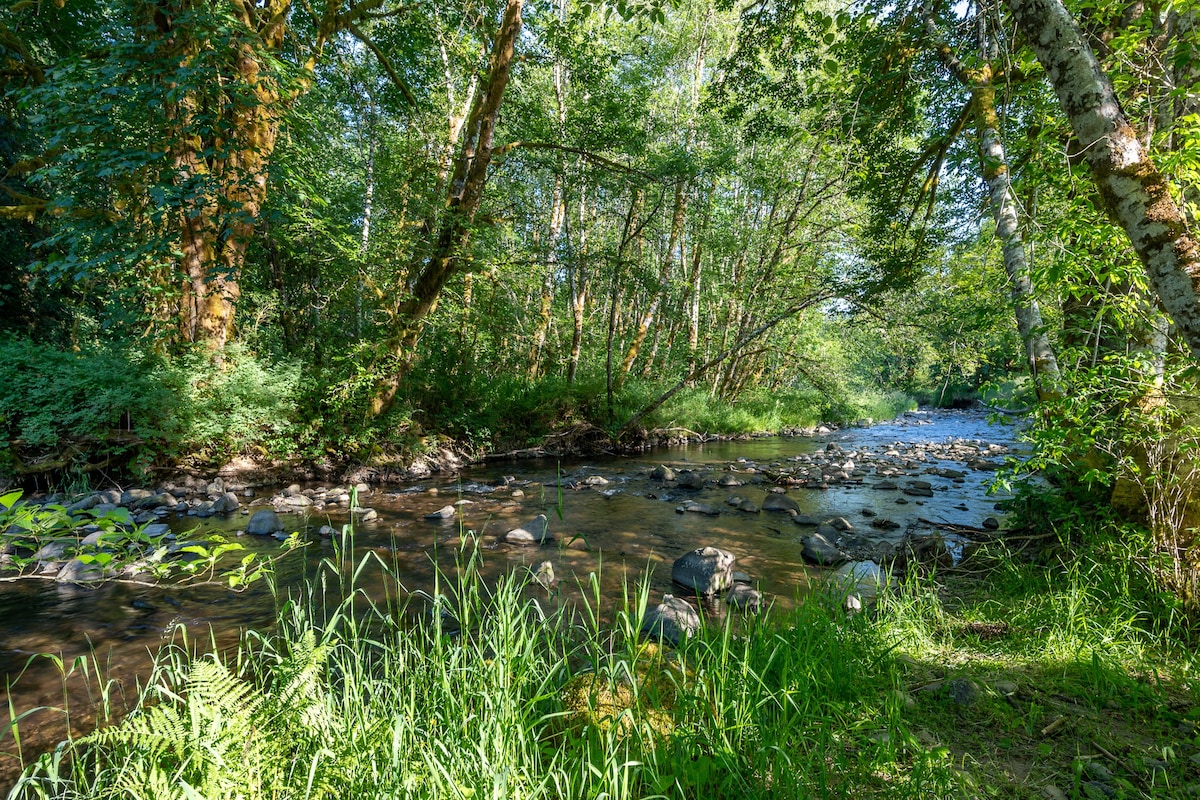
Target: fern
[{"x": 206, "y": 741}]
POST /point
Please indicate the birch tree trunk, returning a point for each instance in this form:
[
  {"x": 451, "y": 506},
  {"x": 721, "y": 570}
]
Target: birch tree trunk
[
  {"x": 664, "y": 278},
  {"x": 1002, "y": 202},
  {"x": 558, "y": 213},
  {"x": 1134, "y": 193}
]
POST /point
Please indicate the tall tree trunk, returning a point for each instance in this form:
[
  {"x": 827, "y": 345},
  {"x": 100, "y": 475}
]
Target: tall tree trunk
[
  {"x": 664, "y": 279},
  {"x": 466, "y": 194},
  {"x": 631, "y": 231},
  {"x": 993, "y": 166},
  {"x": 225, "y": 177},
  {"x": 1134, "y": 193},
  {"x": 694, "y": 304},
  {"x": 558, "y": 213},
  {"x": 364, "y": 242},
  {"x": 580, "y": 283}
]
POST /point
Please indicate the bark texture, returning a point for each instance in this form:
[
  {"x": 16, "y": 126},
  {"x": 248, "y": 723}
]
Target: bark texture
[
  {"x": 1002, "y": 202},
  {"x": 1135, "y": 194},
  {"x": 466, "y": 189}
]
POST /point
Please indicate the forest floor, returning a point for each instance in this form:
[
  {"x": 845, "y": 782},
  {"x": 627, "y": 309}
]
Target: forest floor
[{"x": 1048, "y": 688}]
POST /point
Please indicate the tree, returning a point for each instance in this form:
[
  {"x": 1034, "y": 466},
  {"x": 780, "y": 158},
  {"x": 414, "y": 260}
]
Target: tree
[{"x": 1133, "y": 191}]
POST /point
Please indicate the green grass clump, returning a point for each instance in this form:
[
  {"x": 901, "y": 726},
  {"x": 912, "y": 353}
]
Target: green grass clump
[
  {"x": 508, "y": 691},
  {"x": 472, "y": 692}
]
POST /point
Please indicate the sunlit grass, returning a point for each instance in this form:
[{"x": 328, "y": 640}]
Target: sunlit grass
[{"x": 504, "y": 691}]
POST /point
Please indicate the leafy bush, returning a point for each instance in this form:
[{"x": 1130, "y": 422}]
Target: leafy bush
[
  {"x": 87, "y": 405},
  {"x": 126, "y": 406}
]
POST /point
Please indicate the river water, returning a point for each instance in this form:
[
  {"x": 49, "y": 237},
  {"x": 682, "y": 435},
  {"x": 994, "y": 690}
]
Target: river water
[{"x": 625, "y": 528}]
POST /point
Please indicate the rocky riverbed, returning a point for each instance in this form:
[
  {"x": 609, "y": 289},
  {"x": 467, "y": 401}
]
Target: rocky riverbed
[{"x": 732, "y": 526}]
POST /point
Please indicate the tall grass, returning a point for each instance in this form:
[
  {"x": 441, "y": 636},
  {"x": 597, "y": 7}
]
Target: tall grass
[{"x": 472, "y": 691}]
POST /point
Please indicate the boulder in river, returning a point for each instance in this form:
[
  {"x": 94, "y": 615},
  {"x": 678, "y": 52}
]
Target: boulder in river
[
  {"x": 706, "y": 570},
  {"x": 662, "y": 473},
  {"x": 226, "y": 503},
  {"x": 672, "y": 620},
  {"x": 264, "y": 523},
  {"x": 780, "y": 502},
  {"x": 76, "y": 571},
  {"x": 744, "y": 598},
  {"x": 697, "y": 508},
  {"x": 820, "y": 550},
  {"x": 445, "y": 512},
  {"x": 536, "y": 531},
  {"x": 689, "y": 480}
]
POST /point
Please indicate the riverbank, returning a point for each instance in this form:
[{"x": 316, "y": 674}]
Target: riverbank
[
  {"x": 102, "y": 416},
  {"x": 626, "y": 520},
  {"x": 997, "y": 678}
]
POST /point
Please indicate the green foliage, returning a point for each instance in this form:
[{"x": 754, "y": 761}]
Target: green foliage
[
  {"x": 135, "y": 408},
  {"x": 108, "y": 545}
]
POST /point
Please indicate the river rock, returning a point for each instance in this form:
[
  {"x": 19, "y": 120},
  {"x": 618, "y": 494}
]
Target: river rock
[
  {"x": 226, "y": 504},
  {"x": 840, "y": 524},
  {"x": 445, "y": 512},
  {"x": 672, "y": 620},
  {"x": 132, "y": 496},
  {"x": 297, "y": 501},
  {"x": 156, "y": 529},
  {"x": 662, "y": 473},
  {"x": 706, "y": 570},
  {"x": 991, "y": 523},
  {"x": 594, "y": 480},
  {"x": 327, "y": 531},
  {"x": 85, "y": 504},
  {"x": 689, "y": 480},
  {"x": 887, "y": 486},
  {"x": 164, "y": 500},
  {"x": 536, "y": 531},
  {"x": 780, "y": 502},
  {"x": 728, "y": 480},
  {"x": 76, "y": 571},
  {"x": 264, "y": 523},
  {"x": 697, "y": 508},
  {"x": 820, "y": 550},
  {"x": 94, "y": 538},
  {"x": 744, "y": 598},
  {"x": 365, "y": 514},
  {"x": 748, "y": 506},
  {"x": 51, "y": 551}
]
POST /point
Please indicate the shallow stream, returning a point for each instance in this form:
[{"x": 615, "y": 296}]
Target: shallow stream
[{"x": 608, "y": 516}]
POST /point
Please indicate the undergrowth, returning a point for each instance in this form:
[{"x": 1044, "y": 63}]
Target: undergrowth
[{"x": 472, "y": 691}]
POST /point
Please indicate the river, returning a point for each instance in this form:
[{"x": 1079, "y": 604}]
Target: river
[{"x": 608, "y": 516}]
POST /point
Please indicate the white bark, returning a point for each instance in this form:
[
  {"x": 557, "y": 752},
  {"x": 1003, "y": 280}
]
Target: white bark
[
  {"x": 1134, "y": 192},
  {"x": 1039, "y": 354}
]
